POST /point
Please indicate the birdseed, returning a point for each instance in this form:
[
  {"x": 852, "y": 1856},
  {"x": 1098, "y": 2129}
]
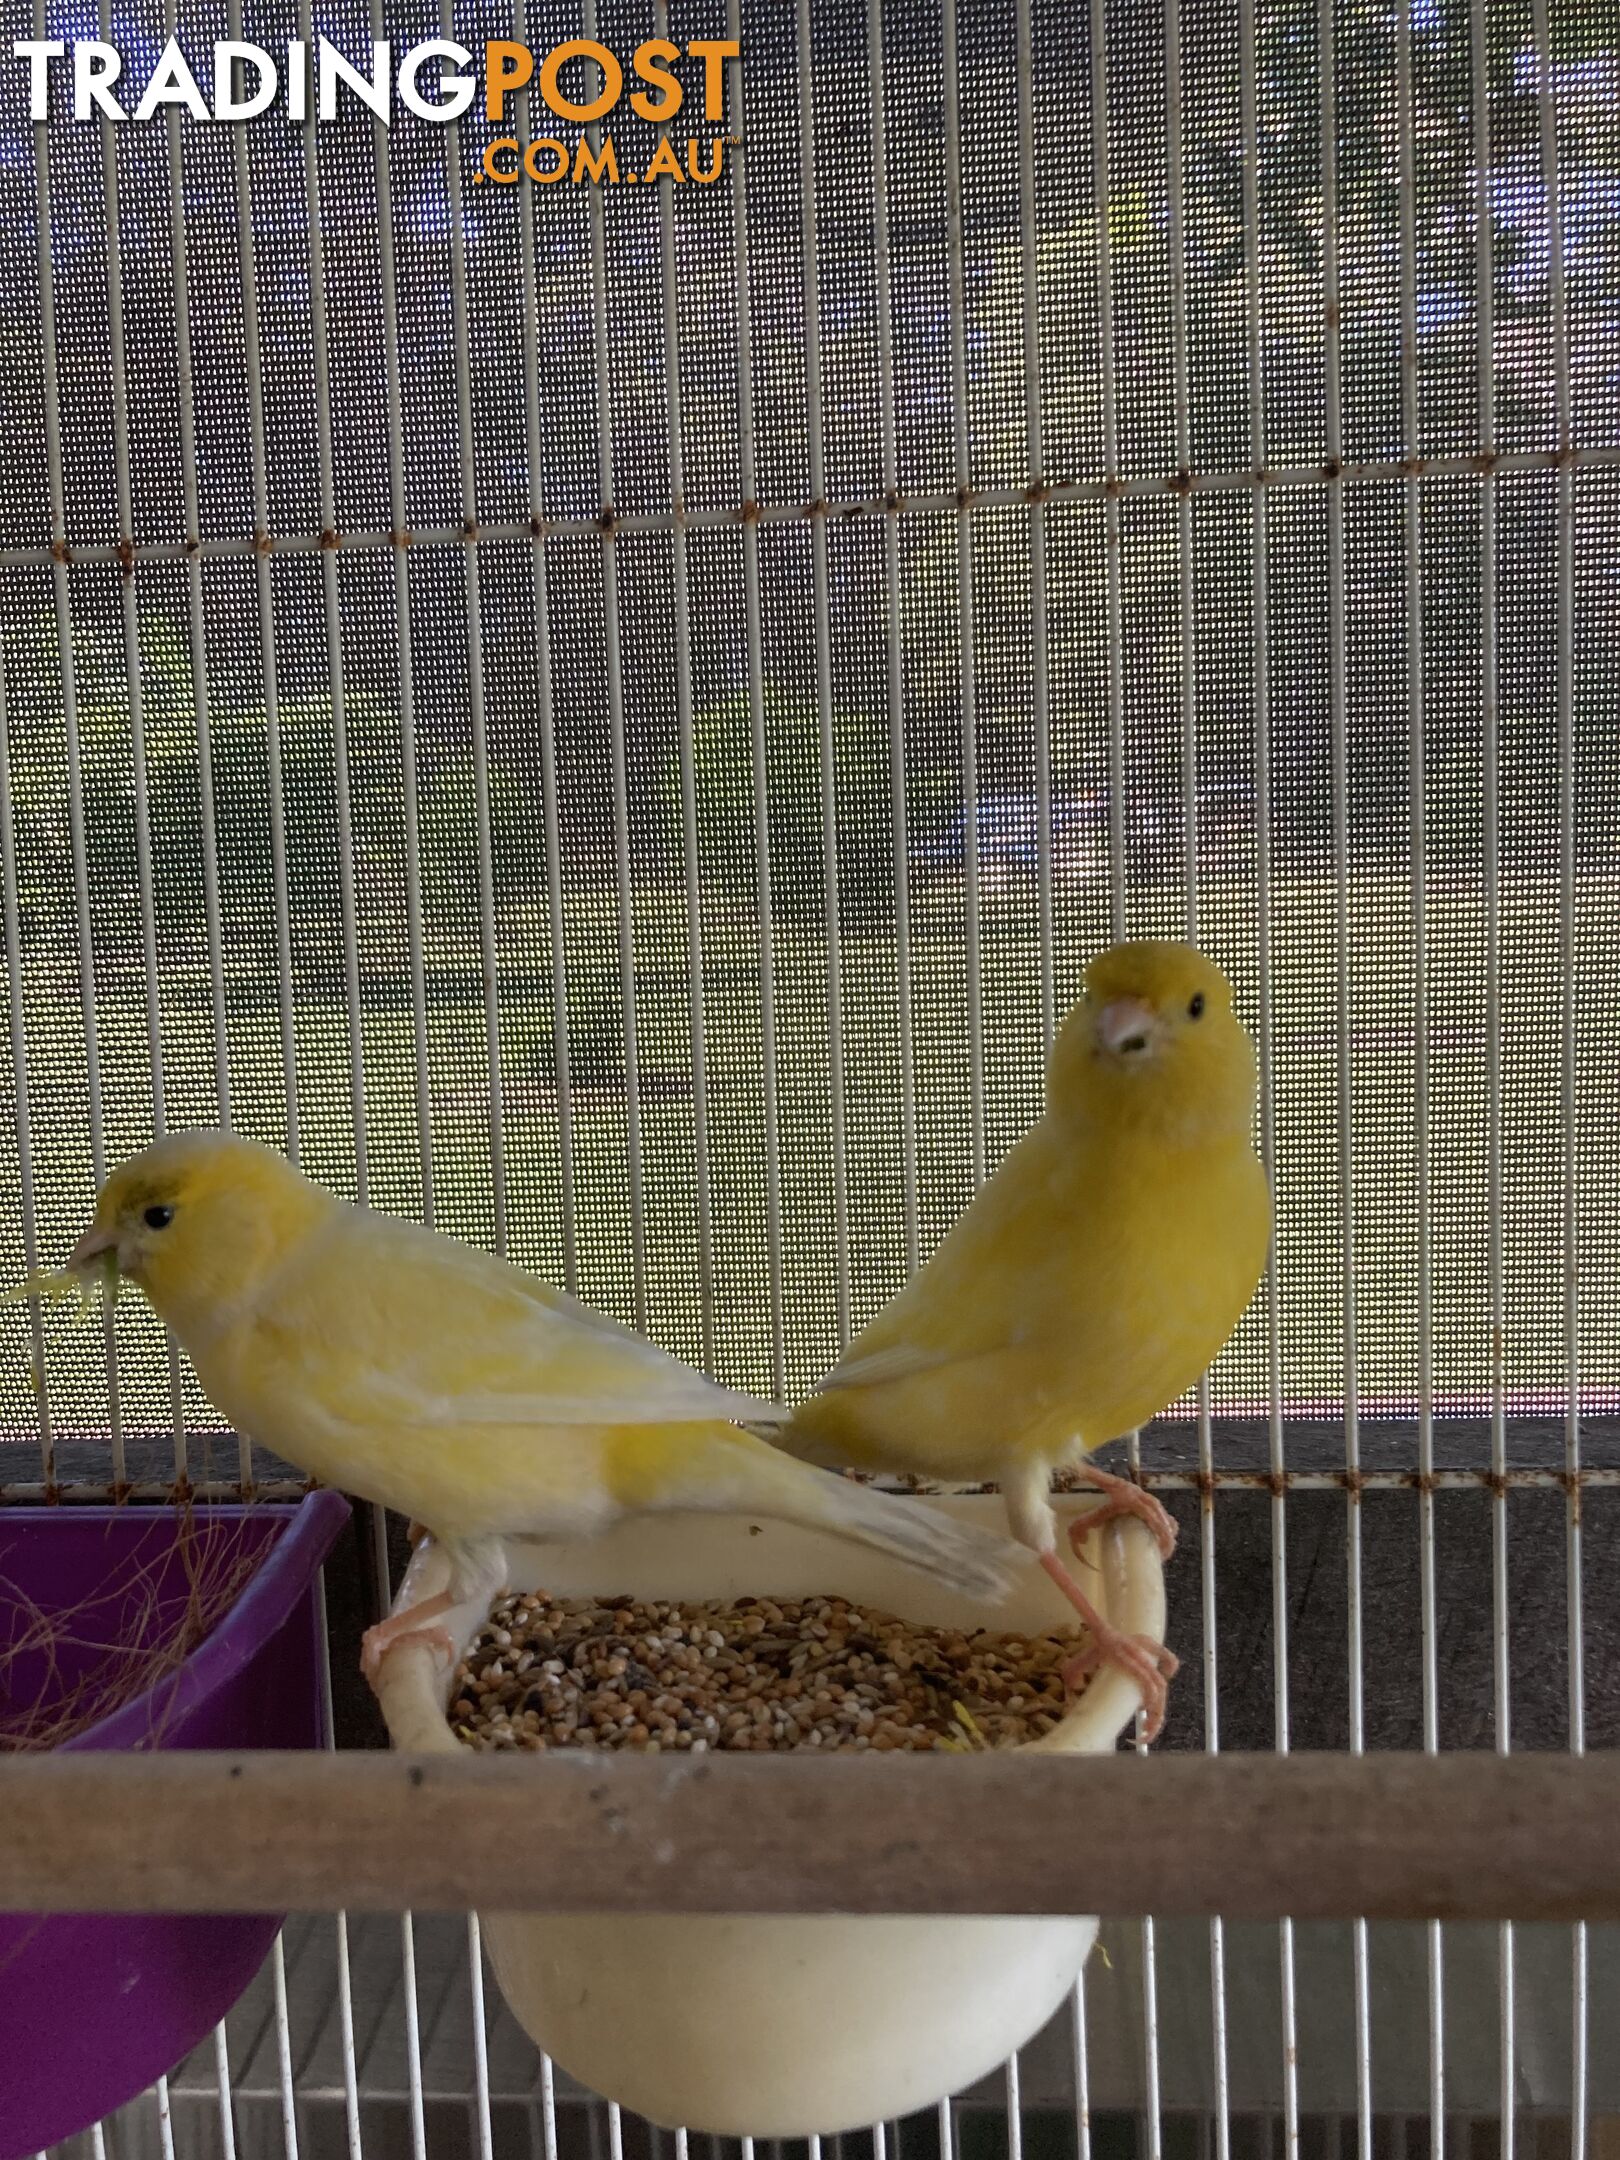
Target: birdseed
[{"x": 749, "y": 1675}]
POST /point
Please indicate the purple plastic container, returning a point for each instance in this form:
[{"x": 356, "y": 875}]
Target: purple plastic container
[{"x": 94, "y": 2007}]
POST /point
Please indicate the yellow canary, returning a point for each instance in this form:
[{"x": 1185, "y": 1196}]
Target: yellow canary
[
  {"x": 419, "y": 1372},
  {"x": 1090, "y": 1282}
]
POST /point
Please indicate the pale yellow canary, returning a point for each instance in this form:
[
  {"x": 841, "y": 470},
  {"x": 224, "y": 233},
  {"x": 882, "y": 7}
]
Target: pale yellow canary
[
  {"x": 1087, "y": 1285},
  {"x": 413, "y": 1370}
]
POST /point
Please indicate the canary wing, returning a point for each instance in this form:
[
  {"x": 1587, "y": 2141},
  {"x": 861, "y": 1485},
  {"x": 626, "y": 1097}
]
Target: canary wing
[
  {"x": 1079, "y": 1291},
  {"x": 894, "y": 1361},
  {"x": 977, "y": 1296},
  {"x": 404, "y": 1326}
]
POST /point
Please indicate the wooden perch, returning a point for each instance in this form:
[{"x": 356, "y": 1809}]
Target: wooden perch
[{"x": 1250, "y": 1836}]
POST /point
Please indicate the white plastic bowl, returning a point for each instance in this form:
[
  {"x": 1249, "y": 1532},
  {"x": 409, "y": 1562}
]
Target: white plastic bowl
[{"x": 783, "y": 2026}]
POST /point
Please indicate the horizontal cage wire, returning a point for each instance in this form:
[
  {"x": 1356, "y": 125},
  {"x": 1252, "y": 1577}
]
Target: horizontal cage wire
[{"x": 610, "y": 720}]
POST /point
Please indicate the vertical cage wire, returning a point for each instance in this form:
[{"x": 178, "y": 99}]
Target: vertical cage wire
[
  {"x": 376, "y": 1522},
  {"x": 1500, "y": 1608},
  {"x": 1118, "y": 839},
  {"x": 405, "y": 673},
  {"x": 483, "y": 2127},
  {"x": 332, "y": 621},
  {"x": 1248, "y": 91},
  {"x": 1333, "y": 436},
  {"x": 165, "y": 2118},
  {"x": 130, "y": 615},
  {"x": 1181, "y": 400},
  {"x": 197, "y": 634},
  {"x": 1152, "y": 2090},
  {"x": 967, "y": 679},
  {"x": 487, "y": 948},
  {"x": 1575, "y": 1641},
  {"x": 1119, "y": 870},
  {"x": 253, "y": 361},
  {"x": 1220, "y": 2093},
  {"x": 413, "y": 2042},
  {"x": 548, "y": 2110},
  {"x": 545, "y": 714},
  {"x": 346, "y": 2038},
  {"x": 253, "y": 369},
  {"x": 1035, "y": 459},
  {"x": 1117, "y": 828},
  {"x": 393, "y": 406},
  {"x": 1082, "y": 2069},
  {"x": 62, "y": 596},
  {"x": 748, "y": 480},
  {"x": 697, "y": 1019},
  {"x": 345, "y": 1984},
  {"x": 1412, "y": 566},
  {"x": 1176, "y": 242},
  {"x": 28, "y": 1218},
  {"x": 227, "y": 2110},
  {"x": 815, "y": 443},
  {"x": 1491, "y": 813},
  {"x": 118, "y": 419},
  {"x": 616, "y": 713},
  {"x": 284, "y": 2059},
  {"x": 1152, "y": 2093},
  {"x": 1491, "y": 808},
  {"x": 893, "y": 645}
]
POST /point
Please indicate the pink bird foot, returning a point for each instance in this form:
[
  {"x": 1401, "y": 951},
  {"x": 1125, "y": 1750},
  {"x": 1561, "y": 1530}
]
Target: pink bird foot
[
  {"x": 1122, "y": 1497},
  {"x": 1147, "y": 1662},
  {"x": 406, "y": 1626}
]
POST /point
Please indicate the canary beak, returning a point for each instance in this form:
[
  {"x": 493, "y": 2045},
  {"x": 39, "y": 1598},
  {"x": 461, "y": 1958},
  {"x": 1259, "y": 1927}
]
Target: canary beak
[
  {"x": 91, "y": 1246},
  {"x": 1127, "y": 1027}
]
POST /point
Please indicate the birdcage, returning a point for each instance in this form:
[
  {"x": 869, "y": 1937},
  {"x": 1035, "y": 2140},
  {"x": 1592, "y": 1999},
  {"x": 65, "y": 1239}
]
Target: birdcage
[{"x": 609, "y": 718}]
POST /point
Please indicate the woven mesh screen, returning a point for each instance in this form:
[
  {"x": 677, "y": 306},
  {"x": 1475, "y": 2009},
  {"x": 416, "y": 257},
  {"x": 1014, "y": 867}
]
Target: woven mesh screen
[{"x": 668, "y": 863}]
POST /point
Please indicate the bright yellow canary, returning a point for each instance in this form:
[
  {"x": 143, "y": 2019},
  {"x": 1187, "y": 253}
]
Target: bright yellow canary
[
  {"x": 419, "y": 1372},
  {"x": 1089, "y": 1283}
]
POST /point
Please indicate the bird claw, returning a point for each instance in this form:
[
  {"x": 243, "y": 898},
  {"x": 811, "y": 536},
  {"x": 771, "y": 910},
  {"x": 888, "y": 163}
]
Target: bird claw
[
  {"x": 1141, "y": 1657},
  {"x": 417, "y": 1623},
  {"x": 371, "y": 1655},
  {"x": 1122, "y": 1498}
]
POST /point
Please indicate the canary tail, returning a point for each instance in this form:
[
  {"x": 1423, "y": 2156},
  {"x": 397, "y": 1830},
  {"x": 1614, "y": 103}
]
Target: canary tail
[{"x": 980, "y": 1562}]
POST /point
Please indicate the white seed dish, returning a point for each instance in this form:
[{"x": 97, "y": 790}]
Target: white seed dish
[{"x": 784, "y": 2026}]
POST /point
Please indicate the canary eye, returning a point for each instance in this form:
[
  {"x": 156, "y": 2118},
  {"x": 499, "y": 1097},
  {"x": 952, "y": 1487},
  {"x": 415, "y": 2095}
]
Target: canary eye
[
  {"x": 1196, "y": 1007},
  {"x": 158, "y": 1218}
]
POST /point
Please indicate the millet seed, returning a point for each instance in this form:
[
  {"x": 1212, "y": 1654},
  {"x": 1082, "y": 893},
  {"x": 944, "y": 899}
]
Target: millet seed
[{"x": 756, "y": 1675}]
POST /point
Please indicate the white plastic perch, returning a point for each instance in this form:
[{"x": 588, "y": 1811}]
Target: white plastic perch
[{"x": 783, "y": 2026}]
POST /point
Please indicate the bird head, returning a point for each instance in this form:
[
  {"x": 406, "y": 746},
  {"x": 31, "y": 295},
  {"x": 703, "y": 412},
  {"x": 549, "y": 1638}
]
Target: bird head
[
  {"x": 197, "y": 1220},
  {"x": 1155, "y": 1042}
]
